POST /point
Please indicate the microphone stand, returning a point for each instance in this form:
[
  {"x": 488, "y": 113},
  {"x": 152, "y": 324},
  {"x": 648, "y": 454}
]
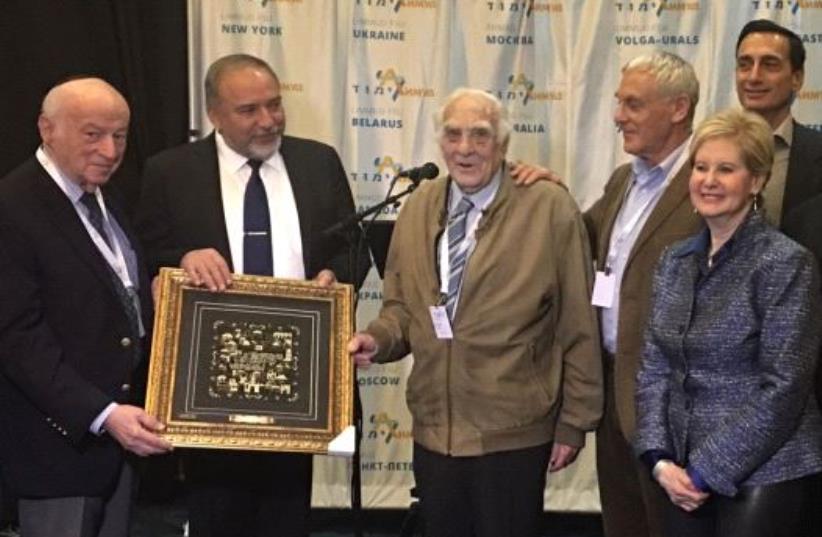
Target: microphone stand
[
  {"x": 347, "y": 226},
  {"x": 358, "y": 217}
]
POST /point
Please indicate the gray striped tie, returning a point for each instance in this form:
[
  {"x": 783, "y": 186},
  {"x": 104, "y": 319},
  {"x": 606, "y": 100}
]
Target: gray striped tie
[{"x": 457, "y": 252}]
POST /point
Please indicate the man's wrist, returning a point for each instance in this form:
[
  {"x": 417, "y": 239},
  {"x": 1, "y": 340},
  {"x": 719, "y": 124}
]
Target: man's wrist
[{"x": 97, "y": 426}]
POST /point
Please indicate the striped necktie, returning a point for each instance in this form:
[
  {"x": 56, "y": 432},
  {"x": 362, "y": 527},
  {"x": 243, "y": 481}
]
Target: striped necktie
[
  {"x": 457, "y": 252},
  {"x": 257, "y": 254},
  {"x": 95, "y": 215}
]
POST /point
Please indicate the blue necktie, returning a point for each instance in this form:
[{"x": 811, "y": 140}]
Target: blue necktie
[
  {"x": 457, "y": 252},
  {"x": 257, "y": 255}
]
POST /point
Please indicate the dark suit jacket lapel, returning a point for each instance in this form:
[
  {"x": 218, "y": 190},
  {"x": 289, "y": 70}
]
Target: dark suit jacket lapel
[
  {"x": 205, "y": 188},
  {"x": 804, "y": 175},
  {"x": 610, "y": 215},
  {"x": 303, "y": 195},
  {"x": 675, "y": 194},
  {"x": 67, "y": 223}
]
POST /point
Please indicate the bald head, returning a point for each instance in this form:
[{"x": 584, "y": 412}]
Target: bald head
[
  {"x": 83, "y": 94},
  {"x": 83, "y": 124}
]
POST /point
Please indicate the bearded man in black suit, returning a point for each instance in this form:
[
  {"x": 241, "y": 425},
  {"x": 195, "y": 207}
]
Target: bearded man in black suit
[{"x": 194, "y": 213}]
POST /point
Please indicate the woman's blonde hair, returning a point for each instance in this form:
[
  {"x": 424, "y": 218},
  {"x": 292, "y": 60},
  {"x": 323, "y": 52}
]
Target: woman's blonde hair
[{"x": 747, "y": 130}]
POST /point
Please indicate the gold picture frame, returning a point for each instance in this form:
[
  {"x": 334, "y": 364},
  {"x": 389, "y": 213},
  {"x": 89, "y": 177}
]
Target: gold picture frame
[{"x": 260, "y": 366}]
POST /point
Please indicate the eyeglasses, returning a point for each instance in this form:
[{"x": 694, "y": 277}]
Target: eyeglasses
[{"x": 476, "y": 135}]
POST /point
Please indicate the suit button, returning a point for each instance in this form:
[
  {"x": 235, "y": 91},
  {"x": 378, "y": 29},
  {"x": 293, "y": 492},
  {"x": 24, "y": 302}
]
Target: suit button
[
  {"x": 125, "y": 342},
  {"x": 688, "y": 404},
  {"x": 681, "y": 329},
  {"x": 125, "y": 387}
]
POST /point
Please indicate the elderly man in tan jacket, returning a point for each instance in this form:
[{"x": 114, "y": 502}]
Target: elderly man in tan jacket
[{"x": 487, "y": 284}]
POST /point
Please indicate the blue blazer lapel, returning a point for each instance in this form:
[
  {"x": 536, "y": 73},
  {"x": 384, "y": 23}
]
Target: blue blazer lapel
[{"x": 67, "y": 223}]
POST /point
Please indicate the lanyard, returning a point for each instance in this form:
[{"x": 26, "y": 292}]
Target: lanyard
[
  {"x": 625, "y": 230},
  {"x": 618, "y": 240},
  {"x": 114, "y": 254}
]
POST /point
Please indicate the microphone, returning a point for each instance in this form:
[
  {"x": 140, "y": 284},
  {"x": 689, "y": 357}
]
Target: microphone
[{"x": 429, "y": 170}]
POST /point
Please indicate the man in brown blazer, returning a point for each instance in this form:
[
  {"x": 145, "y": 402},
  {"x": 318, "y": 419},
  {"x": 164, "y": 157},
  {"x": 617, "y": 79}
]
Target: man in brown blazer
[{"x": 645, "y": 207}]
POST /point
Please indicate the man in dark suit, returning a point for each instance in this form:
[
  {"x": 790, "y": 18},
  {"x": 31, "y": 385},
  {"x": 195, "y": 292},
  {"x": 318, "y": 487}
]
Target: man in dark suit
[
  {"x": 247, "y": 199},
  {"x": 72, "y": 325},
  {"x": 770, "y": 70}
]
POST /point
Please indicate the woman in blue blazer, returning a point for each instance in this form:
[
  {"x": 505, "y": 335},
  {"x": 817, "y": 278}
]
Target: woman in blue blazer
[{"x": 726, "y": 419}]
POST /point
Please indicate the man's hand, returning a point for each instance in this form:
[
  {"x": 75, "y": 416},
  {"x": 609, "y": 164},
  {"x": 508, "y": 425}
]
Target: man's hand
[
  {"x": 136, "y": 431},
  {"x": 155, "y": 290},
  {"x": 362, "y": 348},
  {"x": 325, "y": 278},
  {"x": 208, "y": 268},
  {"x": 679, "y": 487},
  {"x": 527, "y": 174},
  {"x": 561, "y": 456}
]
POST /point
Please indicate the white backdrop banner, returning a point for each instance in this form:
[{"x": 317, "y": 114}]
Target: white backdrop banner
[{"x": 366, "y": 76}]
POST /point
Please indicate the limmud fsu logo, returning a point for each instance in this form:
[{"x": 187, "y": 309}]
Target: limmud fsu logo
[
  {"x": 397, "y": 5},
  {"x": 391, "y": 83},
  {"x": 522, "y": 89},
  {"x": 385, "y": 168},
  {"x": 658, "y": 7},
  {"x": 386, "y": 429}
]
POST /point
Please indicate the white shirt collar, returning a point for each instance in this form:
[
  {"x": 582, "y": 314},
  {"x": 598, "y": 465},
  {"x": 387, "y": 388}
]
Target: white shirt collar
[
  {"x": 234, "y": 161},
  {"x": 482, "y": 197},
  {"x": 69, "y": 187},
  {"x": 642, "y": 169}
]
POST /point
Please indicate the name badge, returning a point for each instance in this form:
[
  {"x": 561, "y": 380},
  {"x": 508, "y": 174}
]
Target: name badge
[
  {"x": 604, "y": 289},
  {"x": 441, "y": 322}
]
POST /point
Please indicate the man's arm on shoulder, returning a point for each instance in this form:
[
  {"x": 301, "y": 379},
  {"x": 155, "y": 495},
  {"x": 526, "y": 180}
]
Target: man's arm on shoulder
[{"x": 525, "y": 174}]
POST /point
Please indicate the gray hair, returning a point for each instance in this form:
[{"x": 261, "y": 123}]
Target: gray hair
[
  {"x": 492, "y": 105},
  {"x": 674, "y": 76},
  {"x": 230, "y": 63}
]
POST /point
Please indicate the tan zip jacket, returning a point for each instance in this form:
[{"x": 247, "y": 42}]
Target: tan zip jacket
[{"x": 524, "y": 366}]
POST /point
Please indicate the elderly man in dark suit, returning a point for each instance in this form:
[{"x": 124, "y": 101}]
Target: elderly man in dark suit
[
  {"x": 247, "y": 199},
  {"x": 72, "y": 325}
]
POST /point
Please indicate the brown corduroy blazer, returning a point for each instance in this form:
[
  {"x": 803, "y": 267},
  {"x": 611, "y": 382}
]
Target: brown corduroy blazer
[{"x": 672, "y": 219}]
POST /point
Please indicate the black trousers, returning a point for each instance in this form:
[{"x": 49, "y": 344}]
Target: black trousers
[
  {"x": 248, "y": 494},
  {"x": 8, "y": 505},
  {"x": 494, "y": 495},
  {"x": 777, "y": 510}
]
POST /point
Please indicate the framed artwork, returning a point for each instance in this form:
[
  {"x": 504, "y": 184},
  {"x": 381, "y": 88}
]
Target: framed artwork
[{"x": 260, "y": 366}]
